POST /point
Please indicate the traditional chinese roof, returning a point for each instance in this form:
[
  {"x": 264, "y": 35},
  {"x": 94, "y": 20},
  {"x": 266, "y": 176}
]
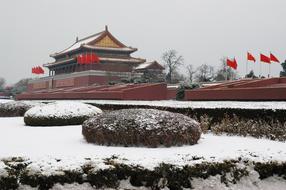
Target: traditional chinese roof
[
  {"x": 102, "y": 41},
  {"x": 151, "y": 65},
  {"x": 60, "y": 62}
]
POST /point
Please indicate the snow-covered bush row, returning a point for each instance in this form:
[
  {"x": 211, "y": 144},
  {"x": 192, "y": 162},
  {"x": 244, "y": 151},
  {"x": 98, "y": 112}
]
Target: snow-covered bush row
[
  {"x": 259, "y": 128},
  {"x": 110, "y": 173},
  {"x": 258, "y": 123},
  {"x": 216, "y": 114},
  {"x": 60, "y": 113},
  {"x": 265, "y": 105},
  {"x": 141, "y": 127},
  {"x": 16, "y": 108}
]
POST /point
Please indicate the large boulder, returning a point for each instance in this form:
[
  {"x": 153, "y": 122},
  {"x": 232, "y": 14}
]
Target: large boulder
[
  {"x": 60, "y": 113},
  {"x": 141, "y": 127},
  {"x": 16, "y": 108}
]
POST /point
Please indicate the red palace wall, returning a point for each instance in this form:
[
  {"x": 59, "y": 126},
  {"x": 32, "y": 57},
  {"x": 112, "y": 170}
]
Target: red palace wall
[
  {"x": 171, "y": 93},
  {"x": 83, "y": 88},
  {"x": 71, "y": 82},
  {"x": 116, "y": 92},
  {"x": 256, "y": 89},
  {"x": 152, "y": 92}
]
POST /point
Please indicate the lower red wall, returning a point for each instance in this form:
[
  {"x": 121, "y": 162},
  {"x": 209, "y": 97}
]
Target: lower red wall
[
  {"x": 171, "y": 93},
  {"x": 117, "y": 92},
  {"x": 148, "y": 92},
  {"x": 237, "y": 94}
]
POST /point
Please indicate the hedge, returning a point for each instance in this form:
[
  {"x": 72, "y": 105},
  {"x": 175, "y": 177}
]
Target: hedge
[
  {"x": 164, "y": 175},
  {"x": 141, "y": 127},
  {"x": 259, "y": 123}
]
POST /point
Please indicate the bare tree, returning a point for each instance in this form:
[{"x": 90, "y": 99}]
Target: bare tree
[
  {"x": 171, "y": 61},
  {"x": 225, "y": 72},
  {"x": 205, "y": 73},
  {"x": 19, "y": 87},
  {"x": 2, "y": 82},
  {"x": 190, "y": 72}
]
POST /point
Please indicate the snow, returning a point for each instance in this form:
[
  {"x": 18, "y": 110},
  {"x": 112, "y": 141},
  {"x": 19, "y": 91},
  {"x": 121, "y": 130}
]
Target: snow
[
  {"x": 144, "y": 65},
  {"x": 197, "y": 104},
  {"x": 80, "y": 42},
  {"x": 47, "y": 144},
  {"x": 2, "y": 101},
  {"x": 272, "y": 105},
  {"x": 3, "y": 172},
  {"x": 211, "y": 183},
  {"x": 251, "y": 182},
  {"x": 63, "y": 109}
]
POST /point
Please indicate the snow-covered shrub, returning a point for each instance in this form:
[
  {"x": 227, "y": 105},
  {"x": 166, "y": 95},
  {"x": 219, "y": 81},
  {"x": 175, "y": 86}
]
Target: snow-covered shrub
[
  {"x": 259, "y": 128},
  {"x": 60, "y": 113},
  {"x": 142, "y": 127},
  {"x": 15, "y": 108},
  {"x": 111, "y": 173}
]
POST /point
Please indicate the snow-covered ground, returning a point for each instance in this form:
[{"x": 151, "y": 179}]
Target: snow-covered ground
[
  {"x": 273, "y": 105},
  {"x": 5, "y": 100},
  {"x": 67, "y": 143}
]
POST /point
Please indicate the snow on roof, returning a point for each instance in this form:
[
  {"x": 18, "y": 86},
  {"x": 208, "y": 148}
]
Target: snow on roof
[
  {"x": 85, "y": 42},
  {"x": 131, "y": 59},
  {"x": 111, "y": 48},
  {"x": 144, "y": 65},
  {"x": 80, "y": 42}
]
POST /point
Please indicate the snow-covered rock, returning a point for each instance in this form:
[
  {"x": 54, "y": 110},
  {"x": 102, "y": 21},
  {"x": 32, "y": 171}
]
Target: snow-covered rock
[
  {"x": 60, "y": 113},
  {"x": 137, "y": 127},
  {"x": 16, "y": 108}
]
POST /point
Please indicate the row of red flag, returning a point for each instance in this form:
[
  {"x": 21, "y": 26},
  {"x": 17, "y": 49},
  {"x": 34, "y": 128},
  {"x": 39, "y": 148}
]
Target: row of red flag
[
  {"x": 88, "y": 58},
  {"x": 38, "y": 70},
  {"x": 263, "y": 58}
]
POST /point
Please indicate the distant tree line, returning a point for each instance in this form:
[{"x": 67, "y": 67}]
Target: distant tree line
[
  {"x": 14, "y": 89},
  {"x": 204, "y": 73}
]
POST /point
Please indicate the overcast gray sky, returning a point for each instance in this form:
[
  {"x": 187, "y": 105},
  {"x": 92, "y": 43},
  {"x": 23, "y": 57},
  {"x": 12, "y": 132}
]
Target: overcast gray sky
[{"x": 202, "y": 31}]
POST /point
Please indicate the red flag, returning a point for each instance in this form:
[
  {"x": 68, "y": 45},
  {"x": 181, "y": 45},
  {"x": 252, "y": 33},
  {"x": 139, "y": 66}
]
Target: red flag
[
  {"x": 83, "y": 59},
  {"x": 250, "y": 57},
  {"x": 88, "y": 58},
  {"x": 273, "y": 58},
  {"x": 33, "y": 70},
  {"x": 79, "y": 59},
  {"x": 94, "y": 58},
  {"x": 42, "y": 70},
  {"x": 38, "y": 71},
  {"x": 232, "y": 64},
  {"x": 264, "y": 58}
]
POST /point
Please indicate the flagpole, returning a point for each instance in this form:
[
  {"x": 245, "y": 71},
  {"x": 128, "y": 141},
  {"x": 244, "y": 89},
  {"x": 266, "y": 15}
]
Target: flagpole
[
  {"x": 269, "y": 71},
  {"x": 246, "y": 67},
  {"x": 225, "y": 69},
  {"x": 260, "y": 67}
]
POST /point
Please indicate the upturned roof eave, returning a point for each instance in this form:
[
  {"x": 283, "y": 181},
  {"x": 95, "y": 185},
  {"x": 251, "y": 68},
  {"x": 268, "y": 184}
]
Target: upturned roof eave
[
  {"x": 59, "y": 62},
  {"x": 104, "y": 59}
]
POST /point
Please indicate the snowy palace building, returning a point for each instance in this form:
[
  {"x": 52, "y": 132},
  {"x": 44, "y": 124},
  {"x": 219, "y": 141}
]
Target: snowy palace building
[
  {"x": 115, "y": 65},
  {"x": 101, "y": 67}
]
